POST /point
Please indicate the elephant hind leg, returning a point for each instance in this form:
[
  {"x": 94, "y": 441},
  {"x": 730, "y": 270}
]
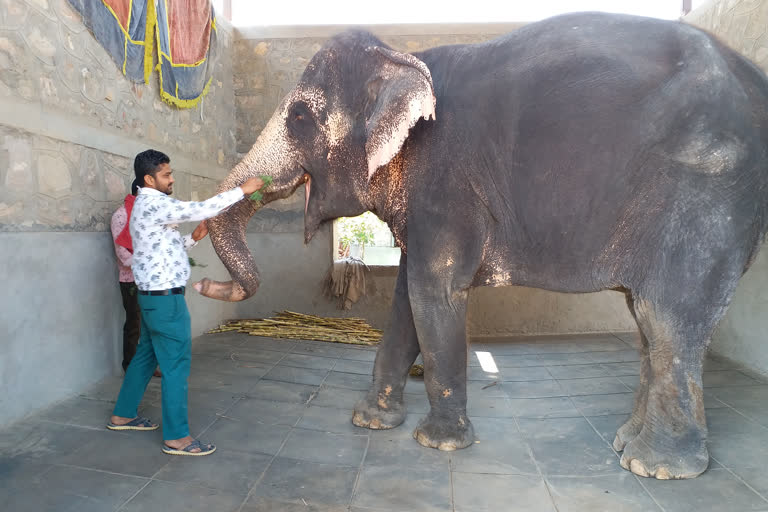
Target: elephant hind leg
[
  {"x": 384, "y": 407},
  {"x": 677, "y": 320},
  {"x": 632, "y": 427}
]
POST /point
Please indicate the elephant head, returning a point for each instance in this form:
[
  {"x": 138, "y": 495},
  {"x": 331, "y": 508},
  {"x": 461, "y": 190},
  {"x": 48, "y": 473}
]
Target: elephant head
[{"x": 348, "y": 116}]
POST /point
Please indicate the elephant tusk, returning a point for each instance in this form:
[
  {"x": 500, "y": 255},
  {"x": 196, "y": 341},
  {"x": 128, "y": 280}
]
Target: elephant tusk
[{"x": 307, "y": 188}]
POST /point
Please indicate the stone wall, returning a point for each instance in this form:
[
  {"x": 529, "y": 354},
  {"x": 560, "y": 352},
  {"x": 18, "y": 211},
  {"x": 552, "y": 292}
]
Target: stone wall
[
  {"x": 70, "y": 126},
  {"x": 74, "y": 123},
  {"x": 268, "y": 63},
  {"x": 743, "y": 334}
]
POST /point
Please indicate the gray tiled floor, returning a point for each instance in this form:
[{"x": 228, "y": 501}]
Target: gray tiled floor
[{"x": 279, "y": 412}]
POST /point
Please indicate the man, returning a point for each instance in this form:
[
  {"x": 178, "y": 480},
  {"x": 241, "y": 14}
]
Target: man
[
  {"x": 124, "y": 253},
  {"x": 161, "y": 269},
  {"x": 128, "y": 288}
]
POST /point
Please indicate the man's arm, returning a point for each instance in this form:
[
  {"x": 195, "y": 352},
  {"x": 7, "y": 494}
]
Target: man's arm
[
  {"x": 119, "y": 221},
  {"x": 124, "y": 255},
  {"x": 173, "y": 211}
]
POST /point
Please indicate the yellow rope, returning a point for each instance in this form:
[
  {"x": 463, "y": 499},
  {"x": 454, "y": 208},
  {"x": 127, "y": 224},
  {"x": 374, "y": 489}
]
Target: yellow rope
[{"x": 149, "y": 39}]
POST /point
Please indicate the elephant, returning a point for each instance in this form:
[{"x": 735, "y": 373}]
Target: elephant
[{"x": 584, "y": 152}]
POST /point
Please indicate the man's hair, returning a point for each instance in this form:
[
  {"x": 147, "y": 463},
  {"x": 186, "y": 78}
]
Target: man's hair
[{"x": 147, "y": 162}]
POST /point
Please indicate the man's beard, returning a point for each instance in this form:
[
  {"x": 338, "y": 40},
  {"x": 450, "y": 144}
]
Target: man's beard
[{"x": 168, "y": 190}]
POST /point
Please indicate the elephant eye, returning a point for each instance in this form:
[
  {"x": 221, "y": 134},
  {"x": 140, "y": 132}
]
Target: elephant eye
[
  {"x": 299, "y": 112},
  {"x": 300, "y": 120}
]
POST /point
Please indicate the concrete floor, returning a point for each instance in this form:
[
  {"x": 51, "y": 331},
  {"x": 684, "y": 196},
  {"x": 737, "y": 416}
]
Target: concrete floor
[{"x": 279, "y": 413}]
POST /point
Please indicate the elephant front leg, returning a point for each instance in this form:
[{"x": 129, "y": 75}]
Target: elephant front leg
[
  {"x": 383, "y": 407},
  {"x": 440, "y": 320}
]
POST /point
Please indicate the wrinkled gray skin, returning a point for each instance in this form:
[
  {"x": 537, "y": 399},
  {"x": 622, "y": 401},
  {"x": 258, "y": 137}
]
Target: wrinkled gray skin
[{"x": 581, "y": 153}]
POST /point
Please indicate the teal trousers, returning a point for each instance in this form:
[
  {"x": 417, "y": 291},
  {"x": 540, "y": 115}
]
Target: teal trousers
[{"x": 166, "y": 340}]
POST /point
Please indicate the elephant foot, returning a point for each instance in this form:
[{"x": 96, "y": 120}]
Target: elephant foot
[
  {"x": 642, "y": 459},
  {"x": 627, "y": 432},
  {"x": 379, "y": 413},
  {"x": 446, "y": 434}
]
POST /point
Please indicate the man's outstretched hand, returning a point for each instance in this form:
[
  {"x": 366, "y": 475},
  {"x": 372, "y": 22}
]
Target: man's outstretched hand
[
  {"x": 251, "y": 186},
  {"x": 200, "y": 231}
]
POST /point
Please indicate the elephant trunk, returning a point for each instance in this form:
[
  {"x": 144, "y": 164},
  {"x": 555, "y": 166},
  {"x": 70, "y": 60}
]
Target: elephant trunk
[
  {"x": 269, "y": 156},
  {"x": 227, "y": 231}
]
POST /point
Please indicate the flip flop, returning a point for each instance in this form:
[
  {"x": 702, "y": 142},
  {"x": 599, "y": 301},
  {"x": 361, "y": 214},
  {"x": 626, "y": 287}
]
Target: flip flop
[
  {"x": 187, "y": 450},
  {"x": 135, "y": 424}
]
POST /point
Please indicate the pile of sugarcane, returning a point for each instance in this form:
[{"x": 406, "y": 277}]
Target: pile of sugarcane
[{"x": 297, "y": 326}]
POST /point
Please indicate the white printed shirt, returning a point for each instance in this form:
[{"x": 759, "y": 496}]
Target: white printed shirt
[{"x": 160, "y": 258}]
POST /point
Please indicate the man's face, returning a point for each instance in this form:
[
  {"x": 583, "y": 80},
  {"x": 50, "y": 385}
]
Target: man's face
[{"x": 162, "y": 180}]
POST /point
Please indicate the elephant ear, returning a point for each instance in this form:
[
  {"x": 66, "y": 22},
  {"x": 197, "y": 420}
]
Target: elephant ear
[{"x": 398, "y": 96}]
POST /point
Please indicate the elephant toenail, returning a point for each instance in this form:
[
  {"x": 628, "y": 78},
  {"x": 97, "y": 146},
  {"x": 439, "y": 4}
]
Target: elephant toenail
[
  {"x": 624, "y": 462},
  {"x": 638, "y": 468}
]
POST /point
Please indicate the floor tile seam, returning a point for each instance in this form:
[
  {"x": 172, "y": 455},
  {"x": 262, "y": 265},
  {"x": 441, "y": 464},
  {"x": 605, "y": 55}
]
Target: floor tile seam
[
  {"x": 31, "y": 460},
  {"x": 225, "y": 412},
  {"x": 228, "y": 357},
  {"x": 314, "y": 394},
  {"x": 545, "y": 364},
  {"x": 202, "y": 486},
  {"x": 75, "y": 425},
  {"x": 723, "y": 466},
  {"x": 86, "y": 468},
  {"x": 616, "y": 336},
  {"x": 282, "y": 445},
  {"x": 614, "y": 393},
  {"x": 606, "y": 441},
  {"x": 450, "y": 484},
  {"x": 121, "y": 507},
  {"x": 629, "y": 390},
  {"x": 648, "y": 492},
  {"x": 218, "y": 417},
  {"x": 496, "y": 473},
  {"x": 743, "y": 415},
  {"x": 292, "y": 341},
  {"x": 262, "y": 376},
  {"x": 351, "y": 373},
  {"x": 523, "y": 417},
  {"x": 549, "y": 493},
  {"x": 217, "y": 344},
  {"x": 267, "y": 467},
  {"x": 345, "y": 434},
  {"x": 618, "y": 458},
  {"x": 733, "y": 473},
  {"x": 529, "y": 448},
  {"x": 548, "y": 366},
  {"x": 92, "y": 399},
  {"x": 310, "y": 354},
  {"x": 283, "y": 381},
  {"x": 359, "y": 473},
  {"x": 731, "y": 386}
]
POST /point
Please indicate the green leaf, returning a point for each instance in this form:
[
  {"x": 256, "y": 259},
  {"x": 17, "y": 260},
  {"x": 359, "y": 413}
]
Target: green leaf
[
  {"x": 193, "y": 263},
  {"x": 258, "y": 196}
]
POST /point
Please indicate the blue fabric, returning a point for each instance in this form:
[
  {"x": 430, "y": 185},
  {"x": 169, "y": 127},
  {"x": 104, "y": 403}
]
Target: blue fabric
[
  {"x": 166, "y": 339},
  {"x": 108, "y": 32},
  {"x": 183, "y": 82}
]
